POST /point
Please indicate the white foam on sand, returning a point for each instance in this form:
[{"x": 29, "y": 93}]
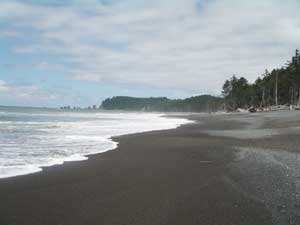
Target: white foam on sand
[
  {"x": 52, "y": 139},
  {"x": 10, "y": 171}
]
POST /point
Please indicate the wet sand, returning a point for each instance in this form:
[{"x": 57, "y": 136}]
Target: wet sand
[{"x": 215, "y": 171}]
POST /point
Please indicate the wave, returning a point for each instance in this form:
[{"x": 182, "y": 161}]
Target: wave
[{"x": 28, "y": 146}]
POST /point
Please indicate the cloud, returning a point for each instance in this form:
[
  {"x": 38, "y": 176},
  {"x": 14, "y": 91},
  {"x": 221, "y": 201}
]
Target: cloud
[
  {"x": 188, "y": 45},
  {"x": 24, "y": 92},
  {"x": 9, "y": 34},
  {"x": 3, "y": 86},
  {"x": 40, "y": 65}
]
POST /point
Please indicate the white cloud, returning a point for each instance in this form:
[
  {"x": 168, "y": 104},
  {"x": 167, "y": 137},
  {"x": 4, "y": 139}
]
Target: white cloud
[
  {"x": 9, "y": 34},
  {"x": 40, "y": 65},
  {"x": 24, "y": 92},
  {"x": 165, "y": 44},
  {"x": 3, "y": 86}
]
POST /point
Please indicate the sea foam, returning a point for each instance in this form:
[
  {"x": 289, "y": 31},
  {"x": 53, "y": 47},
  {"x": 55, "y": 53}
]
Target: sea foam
[{"x": 31, "y": 141}]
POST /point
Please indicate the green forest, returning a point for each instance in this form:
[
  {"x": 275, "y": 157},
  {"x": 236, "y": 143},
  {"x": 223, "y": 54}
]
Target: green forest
[
  {"x": 201, "y": 103},
  {"x": 276, "y": 87}
]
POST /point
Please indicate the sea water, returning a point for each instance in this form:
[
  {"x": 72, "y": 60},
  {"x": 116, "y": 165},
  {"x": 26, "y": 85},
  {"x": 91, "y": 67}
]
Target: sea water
[{"x": 34, "y": 138}]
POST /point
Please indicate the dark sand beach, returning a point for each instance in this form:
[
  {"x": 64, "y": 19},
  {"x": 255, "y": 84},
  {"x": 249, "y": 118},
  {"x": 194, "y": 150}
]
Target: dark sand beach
[{"x": 241, "y": 169}]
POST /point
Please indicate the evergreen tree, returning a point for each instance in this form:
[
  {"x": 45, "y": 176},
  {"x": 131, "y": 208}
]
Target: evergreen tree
[{"x": 280, "y": 86}]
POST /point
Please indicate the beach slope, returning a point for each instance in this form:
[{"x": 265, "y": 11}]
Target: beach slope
[{"x": 196, "y": 174}]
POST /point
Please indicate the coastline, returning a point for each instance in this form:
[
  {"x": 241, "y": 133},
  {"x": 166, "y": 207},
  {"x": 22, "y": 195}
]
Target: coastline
[
  {"x": 100, "y": 141},
  {"x": 175, "y": 176}
]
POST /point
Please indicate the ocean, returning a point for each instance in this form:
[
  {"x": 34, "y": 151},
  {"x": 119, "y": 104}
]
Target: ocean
[{"x": 32, "y": 138}]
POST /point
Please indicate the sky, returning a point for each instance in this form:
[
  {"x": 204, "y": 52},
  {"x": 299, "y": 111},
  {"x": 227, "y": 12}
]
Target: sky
[{"x": 79, "y": 52}]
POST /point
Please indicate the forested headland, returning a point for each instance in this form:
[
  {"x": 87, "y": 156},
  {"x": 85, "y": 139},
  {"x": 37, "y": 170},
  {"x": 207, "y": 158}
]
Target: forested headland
[
  {"x": 201, "y": 103},
  {"x": 273, "y": 88}
]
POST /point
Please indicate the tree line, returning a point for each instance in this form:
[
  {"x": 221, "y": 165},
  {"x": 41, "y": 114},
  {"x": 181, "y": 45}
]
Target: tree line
[
  {"x": 203, "y": 103},
  {"x": 276, "y": 87}
]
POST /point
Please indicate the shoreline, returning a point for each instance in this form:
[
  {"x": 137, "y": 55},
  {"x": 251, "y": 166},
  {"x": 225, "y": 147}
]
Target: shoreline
[
  {"x": 23, "y": 170},
  {"x": 175, "y": 176}
]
